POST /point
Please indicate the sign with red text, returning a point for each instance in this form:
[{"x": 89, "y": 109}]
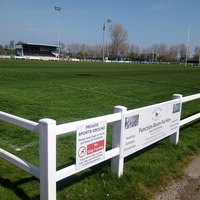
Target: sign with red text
[
  {"x": 90, "y": 144},
  {"x": 145, "y": 126}
]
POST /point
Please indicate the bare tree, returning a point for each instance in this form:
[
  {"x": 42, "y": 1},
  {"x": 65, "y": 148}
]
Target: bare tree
[
  {"x": 119, "y": 37},
  {"x": 182, "y": 51},
  {"x": 1, "y": 49},
  {"x": 134, "y": 51},
  {"x": 197, "y": 54},
  {"x": 162, "y": 49},
  {"x": 197, "y": 51},
  {"x": 173, "y": 52},
  {"x": 11, "y": 46},
  {"x": 73, "y": 48},
  {"x": 62, "y": 45}
]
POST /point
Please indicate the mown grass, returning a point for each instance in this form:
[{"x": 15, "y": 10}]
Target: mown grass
[{"x": 67, "y": 91}]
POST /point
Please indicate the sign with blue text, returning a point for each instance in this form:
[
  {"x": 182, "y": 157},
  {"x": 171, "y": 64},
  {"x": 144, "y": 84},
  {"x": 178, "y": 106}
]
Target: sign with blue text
[
  {"x": 90, "y": 144},
  {"x": 145, "y": 126}
]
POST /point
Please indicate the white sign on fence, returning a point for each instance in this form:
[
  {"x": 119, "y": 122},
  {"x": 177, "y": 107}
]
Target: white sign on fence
[
  {"x": 90, "y": 144},
  {"x": 145, "y": 126}
]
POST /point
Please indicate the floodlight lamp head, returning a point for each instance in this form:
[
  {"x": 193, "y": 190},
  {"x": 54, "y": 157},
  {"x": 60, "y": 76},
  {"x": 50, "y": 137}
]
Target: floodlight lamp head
[
  {"x": 104, "y": 25},
  {"x": 57, "y": 8},
  {"x": 109, "y": 21}
]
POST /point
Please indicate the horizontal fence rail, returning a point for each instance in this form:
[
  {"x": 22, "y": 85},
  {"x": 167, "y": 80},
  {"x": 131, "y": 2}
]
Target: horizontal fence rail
[
  {"x": 23, "y": 123},
  {"x": 189, "y": 119},
  {"x": 26, "y": 166},
  {"x": 68, "y": 171},
  {"x": 190, "y": 98},
  {"x": 48, "y": 131},
  {"x": 194, "y": 117},
  {"x": 70, "y": 127}
]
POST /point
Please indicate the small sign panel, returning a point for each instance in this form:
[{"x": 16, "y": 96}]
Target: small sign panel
[
  {"x": 90, "y": 144},
  {"x": 145, "y": 126}
]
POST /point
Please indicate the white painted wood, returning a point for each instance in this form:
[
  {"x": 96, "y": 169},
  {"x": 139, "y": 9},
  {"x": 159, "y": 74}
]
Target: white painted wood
[
  {"x": 117, "y": 163},
  {"x": 189, "y": 119},
  {"x": 70, "y": 127},
  {"x": 70, "y": 170},
  {"x": 24, "y": 123},
  {"x": 47, "y": 136},
  {"x": 26, "y": 166},
  {"x": 191, "y": 97},
  {"x": 175, "y": 137}
]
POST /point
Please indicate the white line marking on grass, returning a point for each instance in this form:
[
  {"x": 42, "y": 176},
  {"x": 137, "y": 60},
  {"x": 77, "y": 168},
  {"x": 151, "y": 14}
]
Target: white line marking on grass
[
  {"x": 16, "y": 148},
  {"x": 91, "y": 89},
  {"x": 94, "y": 90},
  {"x": 27, "y": 146}
]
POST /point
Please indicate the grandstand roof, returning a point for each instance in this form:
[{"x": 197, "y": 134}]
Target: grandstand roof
[{"x": 37, "y": 44}]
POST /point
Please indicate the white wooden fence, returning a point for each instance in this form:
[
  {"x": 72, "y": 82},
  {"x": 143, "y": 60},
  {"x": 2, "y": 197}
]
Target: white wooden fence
[{"x": 48, "y": 131}]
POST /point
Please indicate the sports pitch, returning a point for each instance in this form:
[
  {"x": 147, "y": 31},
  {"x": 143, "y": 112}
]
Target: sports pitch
[{"x": 71, "y": 91}]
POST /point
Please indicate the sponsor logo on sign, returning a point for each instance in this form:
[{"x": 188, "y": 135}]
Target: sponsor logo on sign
[{"x": 156, "y": 114}]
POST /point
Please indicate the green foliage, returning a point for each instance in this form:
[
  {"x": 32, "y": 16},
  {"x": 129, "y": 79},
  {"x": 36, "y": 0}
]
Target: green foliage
[{"x": 70, "y": 91}]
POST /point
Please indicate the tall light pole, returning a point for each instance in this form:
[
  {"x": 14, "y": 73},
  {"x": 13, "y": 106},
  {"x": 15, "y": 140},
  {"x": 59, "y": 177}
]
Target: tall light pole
[
  {"x": 187, "y": 50},
  {"x": 58, "y": 9},
  {"x": 199, "y": 60},
  {"x": 104, "y": 28}
]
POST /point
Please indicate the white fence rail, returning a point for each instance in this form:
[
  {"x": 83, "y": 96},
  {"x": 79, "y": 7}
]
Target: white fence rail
[
  {"x": 5, "y": 57},
  {"x": 48, "y": 131}
]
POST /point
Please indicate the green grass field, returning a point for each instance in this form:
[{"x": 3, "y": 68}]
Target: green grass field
[{"x": 67, "y": 91}]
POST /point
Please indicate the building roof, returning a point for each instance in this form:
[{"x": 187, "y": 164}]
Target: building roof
[{"x": 37, "y": 44}]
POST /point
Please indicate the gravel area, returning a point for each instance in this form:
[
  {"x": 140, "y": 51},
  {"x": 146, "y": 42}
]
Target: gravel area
[{"x": 186, "y": 188}]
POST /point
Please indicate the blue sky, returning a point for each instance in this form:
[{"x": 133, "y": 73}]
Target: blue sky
[{"x": 148, "y": 22}]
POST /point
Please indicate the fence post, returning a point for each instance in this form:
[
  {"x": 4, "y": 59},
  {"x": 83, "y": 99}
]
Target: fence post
[
  {"x": 175, "y": 137},
  {"x": 117, "y": 163},
  {"x": 47, "y": 146}
]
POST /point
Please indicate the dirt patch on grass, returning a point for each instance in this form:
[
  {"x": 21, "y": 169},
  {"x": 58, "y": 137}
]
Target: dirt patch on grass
[{"x": 186, "y": 188}]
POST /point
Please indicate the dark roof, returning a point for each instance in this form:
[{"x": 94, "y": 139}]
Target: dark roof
[{"x": 37, "y": 44}]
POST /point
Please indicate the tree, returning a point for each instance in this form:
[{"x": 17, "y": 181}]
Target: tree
[
  {"x": 73, "y": 49},
  {"x": 1, "y": 49},
  {"x": 20, "y": 42},
  {"x": 182, "y": 51},
  {"x": 173, "y": 52},
  {"x": 6, "y": 48},
  {"x": 11, "y": 46},
  {"x": 119, "y": 37},
  {"x": 134, "y": 51},
  {"x": 197, "y": 52},
  {"x": 196, "y": 56},
  {"x": 62, "y": 46}
]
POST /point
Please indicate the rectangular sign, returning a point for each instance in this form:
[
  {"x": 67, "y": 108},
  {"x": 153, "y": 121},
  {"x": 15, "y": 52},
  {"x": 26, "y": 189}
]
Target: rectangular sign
[
  {"x": 145, "y": 126},
  {"x": 90, "y": 144}
]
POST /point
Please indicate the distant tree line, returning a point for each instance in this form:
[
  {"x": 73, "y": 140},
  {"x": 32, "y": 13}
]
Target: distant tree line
[
  {"x": 8, "y": 49},
  {"x": 119, "y": 47},
  {"x": 157, "y": 52}
]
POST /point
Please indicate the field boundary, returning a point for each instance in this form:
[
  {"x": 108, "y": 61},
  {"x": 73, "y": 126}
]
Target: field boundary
[{"x": 48, "y": 131}]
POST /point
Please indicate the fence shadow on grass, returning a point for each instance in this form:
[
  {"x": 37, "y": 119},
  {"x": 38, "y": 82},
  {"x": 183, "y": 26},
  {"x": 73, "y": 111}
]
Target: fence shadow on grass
[
  {"x": 76, "y": 178},
  {"x": 97, "y": 169},
  {"x": 14, "y": 187}
]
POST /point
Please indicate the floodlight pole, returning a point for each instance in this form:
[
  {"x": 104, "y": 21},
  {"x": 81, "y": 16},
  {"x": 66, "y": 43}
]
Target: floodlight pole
[
  {"x": 59, "y": 9},
  {"x": 187, "y": 50},
  {"x": 104, "y": 28},
  {"x": 199, "y": 60}
]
